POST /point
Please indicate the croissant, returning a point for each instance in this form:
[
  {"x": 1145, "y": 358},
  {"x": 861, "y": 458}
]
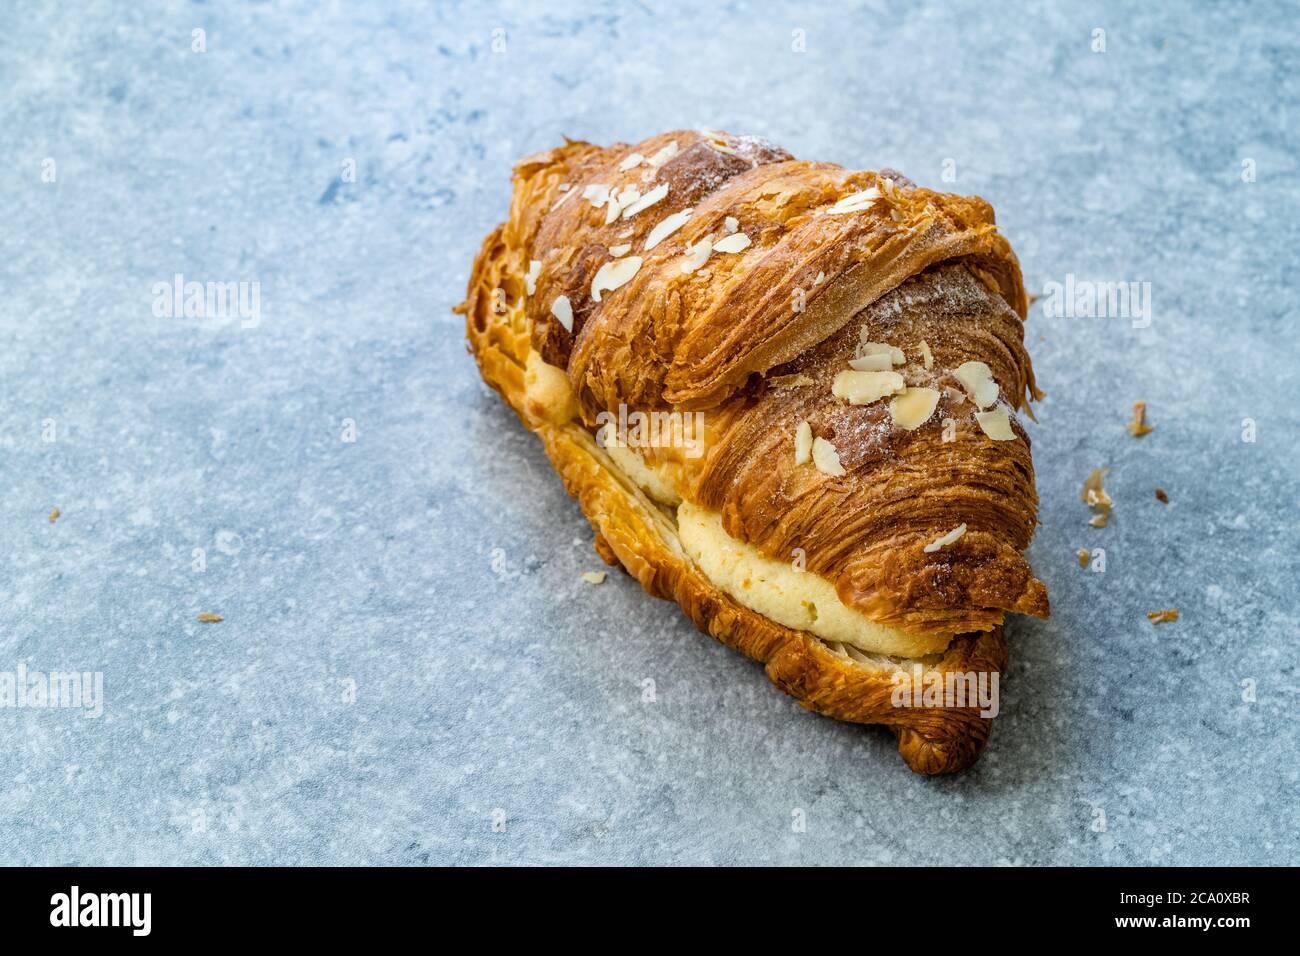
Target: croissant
[{"x": 783, "y": 394}]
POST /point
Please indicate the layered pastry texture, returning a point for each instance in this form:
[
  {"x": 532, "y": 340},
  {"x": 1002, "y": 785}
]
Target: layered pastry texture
[{"x": 863, "y": 492}]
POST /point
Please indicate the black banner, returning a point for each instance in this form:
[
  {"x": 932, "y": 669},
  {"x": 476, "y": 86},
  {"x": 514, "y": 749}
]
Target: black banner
[{"x": 337, "y": 905}]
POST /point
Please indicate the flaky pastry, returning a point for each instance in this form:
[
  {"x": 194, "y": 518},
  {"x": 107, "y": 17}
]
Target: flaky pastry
[{"x": 784, "y": 395}]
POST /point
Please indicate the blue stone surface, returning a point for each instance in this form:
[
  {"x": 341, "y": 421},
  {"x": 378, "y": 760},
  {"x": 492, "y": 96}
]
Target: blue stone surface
[{"x": 408, "y": 655}]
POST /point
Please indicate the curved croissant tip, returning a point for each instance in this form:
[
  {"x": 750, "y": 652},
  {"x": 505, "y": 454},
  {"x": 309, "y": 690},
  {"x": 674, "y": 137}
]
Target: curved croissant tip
[{"x": 954, "y": 751}]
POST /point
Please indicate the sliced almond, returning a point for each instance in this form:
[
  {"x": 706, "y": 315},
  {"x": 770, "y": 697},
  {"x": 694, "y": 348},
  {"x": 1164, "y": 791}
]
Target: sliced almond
[
  {"x": 863, "y": 388},
  {"x": 646, "y": 201},
  {"x": 880, "y": 362},
  {"x": 632, "y": 162},
  {"x": 803, "y": 442},
  {"x": 977, "y": 379},
  {"x": 665, "y": 154},
  {"x": 1084, "y": 556},
  {"x": 697, "y": 255},
  {"x": 736, "y": 242},
  {"x": 620, "y": 250},
  {"x": 946, "y": 540},
  {"x": 596, "y": 194},
  {"x": 567, "y": 192},
  {"x": 731, "y": 224},
  {"x": 912, "y": 407},
  {"x": 927, "y": 357},
  {"x": 594, "y": 577},
  {"x": 996, "y": 423},
  {"x": 856, "y": 202},
  {"x": 613, "y": 275},
  {"x": 819, "y": 279},
  {"x": 877, "y": 348},
  {"x": 1163, "y": 617},
  {"x": 826, "y": 458},
  {"x": 617, "y": 201},
  {"x": 666, "y": 227},
  {"x": 562, "y": 309},
  {"x": 530, "y": 277}
]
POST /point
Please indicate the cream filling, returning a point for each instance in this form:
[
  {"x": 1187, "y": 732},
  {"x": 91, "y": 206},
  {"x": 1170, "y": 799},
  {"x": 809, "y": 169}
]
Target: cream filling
[{"x": 800, "y": 600}]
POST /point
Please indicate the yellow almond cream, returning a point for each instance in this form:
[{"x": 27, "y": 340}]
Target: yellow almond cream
[{"x": 798, "y": 599}]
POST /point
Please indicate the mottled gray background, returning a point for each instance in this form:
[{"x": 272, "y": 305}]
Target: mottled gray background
[{"x": 509, "y": 683}]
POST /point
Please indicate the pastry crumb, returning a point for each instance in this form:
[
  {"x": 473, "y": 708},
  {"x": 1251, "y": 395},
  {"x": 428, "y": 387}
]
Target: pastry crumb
[
  {"x": 1138, "y": 426},
  {"x": 594, "y": 577},
  {"x": 1161, "y": 496},
  {"x": 1095, "y": 497},
  {"x": 54, "y": 515},
  {"x": 1161, "y": 617},
  {"x": 208, "y": 618},
  {"x": 789, "y": 381},
  {"x": 1083, "y": 555}
]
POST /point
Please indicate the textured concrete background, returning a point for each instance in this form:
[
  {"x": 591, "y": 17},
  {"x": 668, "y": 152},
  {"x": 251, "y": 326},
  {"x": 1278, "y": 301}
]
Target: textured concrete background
[{"x": 433, "y": 563}]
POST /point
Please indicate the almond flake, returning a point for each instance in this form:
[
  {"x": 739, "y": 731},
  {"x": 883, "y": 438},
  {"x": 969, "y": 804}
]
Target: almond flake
[
  {"x": 880, "y": 362},
  {"x": 977, "y": 379},
  {"x": 821, "y": 277},
  {"x": 721, "y": 147},
  {"x": 666, "y": 227},
  {"x": 632, "y": 162},
  {"x": 665, "y": 154},
  {"x": 895, "y": 354},
  {"x": 996, "y": 423},
  {"x": 613, "y": 275},
  {"x": 857, "y": 202},
  {"x": 803, "y": 442},
  {"x": 826, "y": 458},
  {"x": 1083, "y": 555},
  {"x": 697, "y": 255},
  {"x": 947, "y": 539},
  {"x": 863, "y": 388},
  {"x": 569, "y": 192},
  {"x": 594, "y": 577},
  {"x": 736, "y": 242},
  {"x": 208, "y": 618},
  {"x": 563, "y": 311},
  {"x": 620, "y": 250},
  {"x": 1162, "y": 617},
  {"x": 731, "y": 224},
  {"x": 530, "y": 278},
  {"x": 927, "y": 357},
  {"x": 626, "y": 233},
  {"x": 596, "y": 194},
  {"x": 912, "y": 407},
  {"x": 646, "y": 201}
]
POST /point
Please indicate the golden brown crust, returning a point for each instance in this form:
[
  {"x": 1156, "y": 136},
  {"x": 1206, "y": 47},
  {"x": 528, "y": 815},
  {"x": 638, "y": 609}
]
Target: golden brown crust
[{"x": 924, "y": 267}]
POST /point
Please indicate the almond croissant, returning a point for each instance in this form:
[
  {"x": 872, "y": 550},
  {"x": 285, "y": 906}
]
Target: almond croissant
[{"x": 781, "y": 392}]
